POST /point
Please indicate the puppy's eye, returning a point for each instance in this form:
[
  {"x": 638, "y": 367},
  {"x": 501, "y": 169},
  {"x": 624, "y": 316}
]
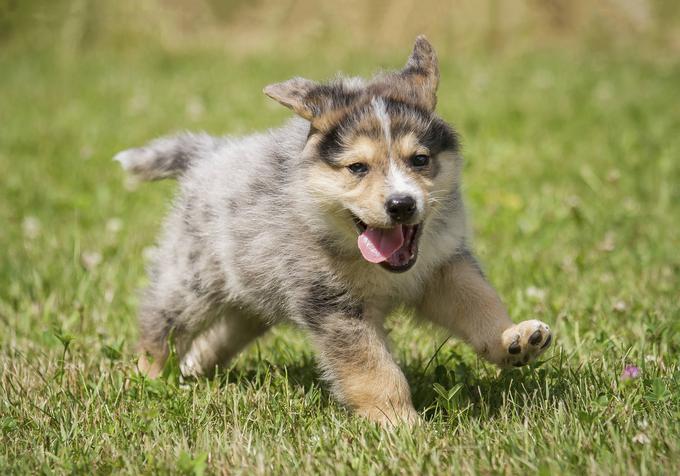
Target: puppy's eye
[
  {"x": 420, "y": 160},
  {"x": 358, "y": 168}
]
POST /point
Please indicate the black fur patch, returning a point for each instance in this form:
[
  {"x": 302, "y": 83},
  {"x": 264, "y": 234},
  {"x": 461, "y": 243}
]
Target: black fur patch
[
  {"x": 177, "y": 160},
  {"x": 464, "y": 254},
  {"x": 439, "y": 137},
  {"x": 407, "y": 112},
  {"x": 323, "y": 299},
  {"x": 432, "y": 132},
  {"x": 330, "y": 146}
]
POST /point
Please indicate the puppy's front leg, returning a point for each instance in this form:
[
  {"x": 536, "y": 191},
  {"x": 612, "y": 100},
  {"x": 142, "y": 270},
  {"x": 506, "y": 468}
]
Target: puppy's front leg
[
  {"x": 363, "y": 375},
  {"x": 462, "y": 301}
]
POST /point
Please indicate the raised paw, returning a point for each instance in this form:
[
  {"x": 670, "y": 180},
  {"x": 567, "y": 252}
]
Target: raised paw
[{"x": 524, "y": 342}]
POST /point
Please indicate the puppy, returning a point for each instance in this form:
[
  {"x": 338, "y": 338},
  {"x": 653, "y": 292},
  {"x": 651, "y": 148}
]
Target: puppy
[{"x": 332, "y": 221}]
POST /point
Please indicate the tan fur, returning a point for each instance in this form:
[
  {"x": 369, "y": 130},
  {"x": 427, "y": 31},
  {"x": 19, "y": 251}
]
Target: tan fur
[
  {"x": 363, "y": 373},
  {"x": 459, "y": 299},
  {"x": 151, "y": 363},
  {"x": 407, "y": 146}
]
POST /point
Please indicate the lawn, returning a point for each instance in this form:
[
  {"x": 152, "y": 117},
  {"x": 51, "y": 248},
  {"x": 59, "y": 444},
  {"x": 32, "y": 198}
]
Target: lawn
[{"x": 572, "y": 176}]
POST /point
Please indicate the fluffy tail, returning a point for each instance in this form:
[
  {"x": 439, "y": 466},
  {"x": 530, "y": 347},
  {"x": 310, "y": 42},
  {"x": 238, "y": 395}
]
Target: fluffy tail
[{"x": 167, "y": 157}]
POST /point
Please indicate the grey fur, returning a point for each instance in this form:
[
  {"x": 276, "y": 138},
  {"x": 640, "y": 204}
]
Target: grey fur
[
  {"x": 243, "y": 232},
  {"x": 166, "y": 157}
]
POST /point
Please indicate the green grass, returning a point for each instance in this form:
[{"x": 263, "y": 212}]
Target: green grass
[{"x": 573, "y": 178}]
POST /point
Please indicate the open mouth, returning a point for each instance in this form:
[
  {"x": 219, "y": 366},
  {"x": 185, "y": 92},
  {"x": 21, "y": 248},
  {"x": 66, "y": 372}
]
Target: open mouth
[{"x": 395, "y": 249}]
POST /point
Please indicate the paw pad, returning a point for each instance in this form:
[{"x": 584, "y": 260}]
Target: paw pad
[
  {"x": 515, "y": 348},
  {"x": 524, "y": 342},
  {"x": 536, "y": 337}
]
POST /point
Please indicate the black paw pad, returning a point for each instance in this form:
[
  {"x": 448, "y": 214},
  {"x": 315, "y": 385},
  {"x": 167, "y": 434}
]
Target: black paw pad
[
  {"x": 515, "y": 348},
  {"x": 535, "y": 338},
  {"x": 547, "y": 341}
]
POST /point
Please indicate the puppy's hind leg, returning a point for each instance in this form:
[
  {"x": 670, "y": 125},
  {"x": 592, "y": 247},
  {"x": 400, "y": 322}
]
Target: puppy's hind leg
[
  {"x": 156, "y": 325},
  {"x": 170, "y": 311},
  {"x": 219, "y": 343}
]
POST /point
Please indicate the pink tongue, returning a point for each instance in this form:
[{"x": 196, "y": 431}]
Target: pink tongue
[{"x": 378, "y": 244}]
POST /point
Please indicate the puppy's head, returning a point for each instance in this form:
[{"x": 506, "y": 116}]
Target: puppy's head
[{"x": 381, "y": 161}]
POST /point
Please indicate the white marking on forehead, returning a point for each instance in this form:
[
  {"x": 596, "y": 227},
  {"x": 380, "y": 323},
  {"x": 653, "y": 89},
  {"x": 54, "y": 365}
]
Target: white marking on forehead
[{"x": 381, "y": 113}]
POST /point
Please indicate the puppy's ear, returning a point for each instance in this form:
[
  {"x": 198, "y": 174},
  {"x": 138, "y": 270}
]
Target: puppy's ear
[
  {"x": 320, "y": 104},
  {"x": 422, "y": 72},
  {"x": 295, "y": 94}
]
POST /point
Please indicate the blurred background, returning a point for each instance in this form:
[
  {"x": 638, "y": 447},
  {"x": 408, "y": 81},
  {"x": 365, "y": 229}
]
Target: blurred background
[{"x": 291, "y": 27}]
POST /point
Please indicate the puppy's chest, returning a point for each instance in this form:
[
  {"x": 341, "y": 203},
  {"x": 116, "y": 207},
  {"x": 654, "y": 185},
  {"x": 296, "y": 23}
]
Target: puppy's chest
[{"x": 393, "y": 289}]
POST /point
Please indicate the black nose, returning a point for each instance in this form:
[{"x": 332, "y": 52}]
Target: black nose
[{"x": 400, "y": 207}]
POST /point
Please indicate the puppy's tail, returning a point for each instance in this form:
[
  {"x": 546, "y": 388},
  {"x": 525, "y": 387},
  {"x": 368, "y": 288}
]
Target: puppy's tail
[{"x": 167, "y": 157}]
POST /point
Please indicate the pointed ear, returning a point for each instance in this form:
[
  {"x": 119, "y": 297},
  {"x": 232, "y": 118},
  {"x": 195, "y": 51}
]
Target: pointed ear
[
  {"x": 422, "y": 72},
  {"x": 295, "y": 94}
]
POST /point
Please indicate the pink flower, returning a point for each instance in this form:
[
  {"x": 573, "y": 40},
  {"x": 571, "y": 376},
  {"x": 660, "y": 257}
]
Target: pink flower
[{"x": 630, "y": 372}]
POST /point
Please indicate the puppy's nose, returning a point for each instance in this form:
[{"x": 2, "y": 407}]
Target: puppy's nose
[{"x": 400, "y": 207}]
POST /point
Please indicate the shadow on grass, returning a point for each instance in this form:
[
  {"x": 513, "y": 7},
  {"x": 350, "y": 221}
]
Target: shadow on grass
[
  {"x": 482, "y": 391},
  {"x": 438, "y": 391},
  {"x": 302, "y": 373}
]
